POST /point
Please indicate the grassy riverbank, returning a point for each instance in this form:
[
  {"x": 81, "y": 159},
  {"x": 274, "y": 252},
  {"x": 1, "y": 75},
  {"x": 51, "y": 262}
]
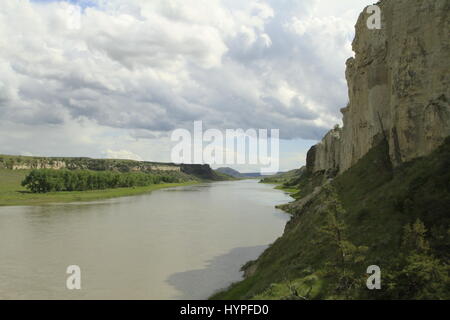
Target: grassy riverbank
[
  {"x": 284, "y": 181},
  {"x": 13, "y": 194},
  {"x": 280, "y": 186}
]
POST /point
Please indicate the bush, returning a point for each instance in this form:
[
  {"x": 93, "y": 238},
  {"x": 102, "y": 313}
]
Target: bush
[{"x": 47, "y": 180}]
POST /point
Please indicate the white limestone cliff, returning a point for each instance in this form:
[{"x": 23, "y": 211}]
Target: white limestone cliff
[{"x": 398, "y": 86}]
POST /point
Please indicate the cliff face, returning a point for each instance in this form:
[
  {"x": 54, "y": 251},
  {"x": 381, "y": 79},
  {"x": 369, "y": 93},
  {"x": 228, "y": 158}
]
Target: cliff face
[
  {"x": 201, "y": 171},
  {"x": 325, "y": 156},
  {"x": 24, "y": 162},
  {"x": 398, "y": 86}
]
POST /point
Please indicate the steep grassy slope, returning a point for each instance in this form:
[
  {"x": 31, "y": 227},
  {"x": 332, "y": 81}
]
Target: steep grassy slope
[
  {"x": 229, "y": 171},
  {"x": 284, "y": 176},
  {"x": 203, "y": 172},
  {"x": 379, "y": 201},
  {"x": 224, "y": 176}
]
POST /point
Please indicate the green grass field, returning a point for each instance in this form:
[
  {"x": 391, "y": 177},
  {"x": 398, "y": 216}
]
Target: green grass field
[{"x": 13, "y": 194}]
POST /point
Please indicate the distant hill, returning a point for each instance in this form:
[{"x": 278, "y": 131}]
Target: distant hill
[
  {"x": 200, "y": 171},
  {"x": 284, "y": 177},
  {"x": 234, "y": 173},
  {"x": 256, "y": 174},
  {"x": 230, "y": 171}
]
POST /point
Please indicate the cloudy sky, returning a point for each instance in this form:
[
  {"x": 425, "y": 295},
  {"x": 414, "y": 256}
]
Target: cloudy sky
[{"x": 114, "y": 78}]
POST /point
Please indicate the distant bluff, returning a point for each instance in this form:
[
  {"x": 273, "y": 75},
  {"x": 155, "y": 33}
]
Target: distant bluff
[
  {"x": 398, "y": 86},
  {"x": 201, "y": 171}
]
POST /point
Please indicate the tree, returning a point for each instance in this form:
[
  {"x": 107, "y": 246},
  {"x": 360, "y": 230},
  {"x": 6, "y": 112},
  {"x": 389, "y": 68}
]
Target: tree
[
  {"x": 47, "y": 180},
  {"x": 417, "y": 273},
  {"x": 347, "y": 257}
]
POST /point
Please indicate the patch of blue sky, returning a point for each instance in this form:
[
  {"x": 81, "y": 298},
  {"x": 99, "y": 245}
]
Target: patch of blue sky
[{"x": 81, "y": 3}]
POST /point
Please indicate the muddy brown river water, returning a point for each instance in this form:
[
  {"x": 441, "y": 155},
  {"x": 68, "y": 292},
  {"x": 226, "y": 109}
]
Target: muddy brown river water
[{"x": 180, "y": 243}]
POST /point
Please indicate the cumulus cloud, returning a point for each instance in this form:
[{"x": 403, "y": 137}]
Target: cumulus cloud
[
  {"x": 122, "y": 154},
  {"x": 148, "y": 67}
]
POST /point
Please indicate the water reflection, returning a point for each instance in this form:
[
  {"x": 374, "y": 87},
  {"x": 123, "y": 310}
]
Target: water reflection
[{"x": 219, "y": 273}]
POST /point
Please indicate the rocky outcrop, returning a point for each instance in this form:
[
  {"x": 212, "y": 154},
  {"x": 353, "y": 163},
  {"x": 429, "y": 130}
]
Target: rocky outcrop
[
  {"x": 202, "y": 171},
  {"x": 325, "y": 156},
  {"x": 230, "y": 171},
  {"x": 27, "y": 163},
  {"x": 56, "y": 165},
  {"x": 398, "y": 86}
]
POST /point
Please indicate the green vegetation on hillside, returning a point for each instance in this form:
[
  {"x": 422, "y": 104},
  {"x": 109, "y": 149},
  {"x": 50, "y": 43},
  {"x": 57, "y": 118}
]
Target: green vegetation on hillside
[
  {"x": 383, "y": 208},
  {"x": 202, "y": 171},
  {"x": 229, "y": 172},
  {"x": 199, "y": 171},
  {"x": 281, "y": 178},
  {"x": 223, "y": 176}
]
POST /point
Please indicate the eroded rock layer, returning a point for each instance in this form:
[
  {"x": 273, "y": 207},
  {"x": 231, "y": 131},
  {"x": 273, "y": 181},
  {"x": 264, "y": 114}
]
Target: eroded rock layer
[{"x": 398, "y": 86}]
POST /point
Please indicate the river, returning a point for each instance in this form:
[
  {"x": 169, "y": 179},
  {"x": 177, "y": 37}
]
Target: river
[{"x": 179, "y": 243}]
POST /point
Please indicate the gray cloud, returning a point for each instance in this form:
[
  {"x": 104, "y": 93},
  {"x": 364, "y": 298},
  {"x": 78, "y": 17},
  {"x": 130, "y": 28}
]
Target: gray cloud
[{"x": 149, "y": 67}]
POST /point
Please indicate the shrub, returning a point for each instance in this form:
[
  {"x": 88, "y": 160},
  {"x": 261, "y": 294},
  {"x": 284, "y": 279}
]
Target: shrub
[{"x": 47, "y": 180}]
